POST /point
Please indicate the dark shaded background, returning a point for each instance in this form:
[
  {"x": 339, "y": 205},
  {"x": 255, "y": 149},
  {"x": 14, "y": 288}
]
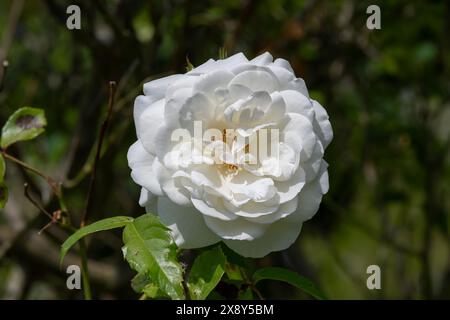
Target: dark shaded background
[{"x": 386, "y": 91}]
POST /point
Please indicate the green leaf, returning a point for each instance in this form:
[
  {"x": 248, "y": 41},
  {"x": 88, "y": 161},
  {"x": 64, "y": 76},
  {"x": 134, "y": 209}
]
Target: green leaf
[
  {"x": 142, "y": 283},
  {"x": 3, "y": 194},
  {"x": 223, "y": 53},
  {"x": 206, "y": 272},
  {"x": 189, "y": 65},
  {"x": 101, "y": 225},
  {"x": 150, "y": 249},
  {"x": 233, "y": 272},
  {"x": 236, "y": 259},
  {"x": 152, "y": 291},
  {"x": 288, "y": 276},
  {"x": 2, "y": 168},
  {"x": 24, "y": 124}
]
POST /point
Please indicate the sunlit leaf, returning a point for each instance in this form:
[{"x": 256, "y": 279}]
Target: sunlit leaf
[
  {"x": 150, "y": 249},
  {"x": 288, "y": 276},
  {"x": 24, "y": 124},
  {"x": 206, "y": 272},
  {"x": 101, "y": 225}
]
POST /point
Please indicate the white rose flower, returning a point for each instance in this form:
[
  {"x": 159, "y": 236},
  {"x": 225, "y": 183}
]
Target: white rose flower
[{"x": 253, "y": 208}]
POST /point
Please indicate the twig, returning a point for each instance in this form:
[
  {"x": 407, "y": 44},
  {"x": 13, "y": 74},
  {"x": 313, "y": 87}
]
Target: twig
[
  {"x": 256, "y": 290},
  {"x": 3, "y": 69},
  {"x": 86, "y": 169},
  {"x": 85, "y": 271},
  {"x": 34, "y": 202},
  {"x": 83, "y": 255},
  {"x": 112, "y": 91},
  {"x": 51, "y": 182},
  {"x": 251, "y": 284},
  {"x": 55, "y": 218}
]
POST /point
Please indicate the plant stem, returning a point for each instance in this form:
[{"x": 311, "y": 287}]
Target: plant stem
[
  {"x": 250, "y": 283},
  {"x": 112, "y": 91},
  {"x": 52, "y": 183},
  {"x": 57, "y": 190},
  {"x": 85, "y": 271},
  {"x": 83, "y": 247}
]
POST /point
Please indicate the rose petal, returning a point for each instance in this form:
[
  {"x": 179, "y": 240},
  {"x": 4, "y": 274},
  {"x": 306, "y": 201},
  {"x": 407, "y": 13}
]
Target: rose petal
[
  {"x": 282, "y": 63},
  {"x": 141, "y": 103},
  {"x": 187, "y": 225},
  {"x": 214, "y": 208},
  {"x": 262, "y": 59},
  {"x": 145, "y": 197},
  {"x": 311, "y": 195},
  {"x": 142, "y": 165},
  {"x": 299, "y": 134},
  {"x": 257, "y": 80},
  {"x": 287, "y": 190},
  {"x": 157, "y": 88},
  {"x": 298, "y": 103},
  {"x": 208, "y": 83},
  {"x": 283, "y": 211},
  {"x": 278, "y": 236},
  {"x": 149, "y": 123},
  {"x": 322, "y": 125},
  {"x": 238, "y": 229}
]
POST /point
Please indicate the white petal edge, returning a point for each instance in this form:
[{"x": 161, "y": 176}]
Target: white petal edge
[
  {"x": 186, "y": 224},
  {"x": 142, "y": 168},
  {"x": 157, "y": 88}
]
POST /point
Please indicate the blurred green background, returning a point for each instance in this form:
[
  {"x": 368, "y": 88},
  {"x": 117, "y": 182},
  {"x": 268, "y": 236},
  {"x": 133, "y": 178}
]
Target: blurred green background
[{"x": 387, "y": 93}]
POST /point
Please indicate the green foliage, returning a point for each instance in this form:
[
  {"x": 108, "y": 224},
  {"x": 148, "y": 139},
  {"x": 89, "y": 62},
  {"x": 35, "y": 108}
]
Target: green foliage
[
  {"x": 386, "y": 92},
  {"x": 24, "y": 124},
  {"x": 223, "y": 53},
  {"x": 101, "y": 225},
  {"x": 206, "y": 272},
  {"x": 233, "y": 272},
  {"x": 142, "y": 283},
  {"x": 150, "y": 250},
  {"x": 288, "y": 276},
  {"x": 189, "y": 65}
]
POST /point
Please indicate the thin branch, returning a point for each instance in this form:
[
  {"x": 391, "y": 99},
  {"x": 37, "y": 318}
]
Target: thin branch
[
  {"x": 256, "y": 290},
  {"x": 82, "y": 244},
  {"x": 34, "y": 202},
  {"x": 51, "y": 182},
  {"x": 112, "y": 91},
  {"x": 3, "y": 69},
  {"x": 86, "y": 169},
  {"x": 55, "y": 218},
  {"x": 251, "y": 285},
  {"x": 85, "y": 270}
]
